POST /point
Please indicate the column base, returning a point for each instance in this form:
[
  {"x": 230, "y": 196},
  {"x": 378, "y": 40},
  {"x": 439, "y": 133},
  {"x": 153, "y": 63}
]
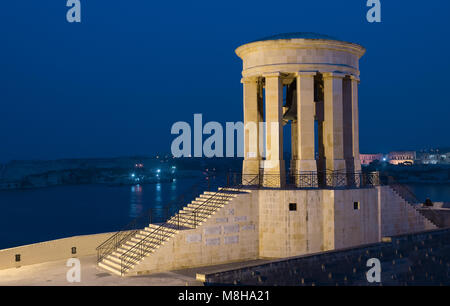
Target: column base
[
  {"x": 336, "y": 165},
  {"x": 304, "y": 173},
  {"x": 274, "y": 173},
  {"x": 250, "y": 171},
  {"x": 357, "y": 164},
  {"x": 304, "y": 165},
  {"x": 353, "y": 165}
]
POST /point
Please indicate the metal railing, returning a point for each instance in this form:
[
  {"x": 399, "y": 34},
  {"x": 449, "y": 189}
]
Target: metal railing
[
  {"x": 156, "y": 237},
  {"x": 312, "y": 180},
  {"x": 302, "y": 180},
  {"x": 176, "y": 219},
  {"x": 154, "y": 215}
]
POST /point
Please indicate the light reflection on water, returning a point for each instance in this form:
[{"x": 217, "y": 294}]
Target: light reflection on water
[
  {"x": 136, "y": 203},
  {"x": 173, "y": 189},
  {"x": 29, "y": 216},
  {"x": 158, "y": 196},
  {"x": 158, "y": 201}
]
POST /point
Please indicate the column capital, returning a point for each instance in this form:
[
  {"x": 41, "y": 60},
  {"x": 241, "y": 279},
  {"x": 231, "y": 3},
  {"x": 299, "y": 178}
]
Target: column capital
[
  {"x": 355, "y": 78},
  {"x": 335, "y": 75},
  {"x": 305, "y": 73},
  {"x": 272, "y": 74},
  {"x": 252, "y": 79}
]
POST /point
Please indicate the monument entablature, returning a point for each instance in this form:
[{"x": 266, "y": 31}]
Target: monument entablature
[{"x": 290, "y": 53}]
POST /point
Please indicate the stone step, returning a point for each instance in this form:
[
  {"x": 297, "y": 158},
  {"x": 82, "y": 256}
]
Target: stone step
[
  {"x": 215, "y": 197},
  {"x": 116, "y": 257},
  {"x": 134, "y": 252},
  {"x": 186, "y": 220},
  {"x": 201, "y": 210},
  {"x": 150, "y": 239},
  {"x": 115, "y": 266},
  {"x": 196, "y": 204},
  {"x": 111, "y": 263},
  {"x": 154, "y": 236},
  {"x": 186, "y": 224},
  {"x": 207, "y": 201},
  {"x": 150, "y": 249},
  {"x": 161, "y": 227},
  {"x": 225, "y": 189},
  {"x": 158, "y": 232},
  {"x": 109, "y": 268},
  {"x": 219, "y": 194},
  {"x": 149, "y": 243}
]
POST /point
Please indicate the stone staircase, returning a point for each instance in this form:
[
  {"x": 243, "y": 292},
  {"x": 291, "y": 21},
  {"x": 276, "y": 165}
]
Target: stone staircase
[
  {"x": 410, "y": 199},
  {"x": 147, "y": 241}
]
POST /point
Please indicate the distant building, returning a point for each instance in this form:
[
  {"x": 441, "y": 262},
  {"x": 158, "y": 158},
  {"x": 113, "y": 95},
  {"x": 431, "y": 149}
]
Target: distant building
[
  {"x": 402, "y": 157},
  {"x": 366, "y": 159},
  {"x": 433, "y": 158}
]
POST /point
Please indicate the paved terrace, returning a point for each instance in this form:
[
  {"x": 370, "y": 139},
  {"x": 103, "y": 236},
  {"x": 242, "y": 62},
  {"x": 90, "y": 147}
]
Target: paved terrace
[
  {"x": 54, "y": 274},
  {"x": 414, "y": 259}
]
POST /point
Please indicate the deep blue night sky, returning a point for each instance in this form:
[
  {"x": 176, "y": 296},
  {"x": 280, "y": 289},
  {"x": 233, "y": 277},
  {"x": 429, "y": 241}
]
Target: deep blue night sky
[{"x": 114, "y": 84}]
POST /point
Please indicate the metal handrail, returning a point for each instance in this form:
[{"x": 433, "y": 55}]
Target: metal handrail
[
  {"x": 308, "y": 179},
  {"x": 141, "y": 248},
  {"x": 318, "y": 179},
  {"x": 120, "y": 237},
  {"x": 237, "y": 181}
]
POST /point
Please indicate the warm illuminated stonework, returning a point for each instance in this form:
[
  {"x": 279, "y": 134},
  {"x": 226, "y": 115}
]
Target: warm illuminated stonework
[
  {"x": 320, "y": 77},
  {"x": 266, "y": 219}
]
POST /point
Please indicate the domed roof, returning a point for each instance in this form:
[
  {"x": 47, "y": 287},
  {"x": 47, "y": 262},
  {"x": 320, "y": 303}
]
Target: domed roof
[{"x": 298, "y": 35}]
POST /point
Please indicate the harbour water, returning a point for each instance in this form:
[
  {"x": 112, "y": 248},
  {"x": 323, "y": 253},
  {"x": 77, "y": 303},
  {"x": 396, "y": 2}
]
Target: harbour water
[
  {"x": 434, "y": 192},
  {"x": 34, "y": 215}
]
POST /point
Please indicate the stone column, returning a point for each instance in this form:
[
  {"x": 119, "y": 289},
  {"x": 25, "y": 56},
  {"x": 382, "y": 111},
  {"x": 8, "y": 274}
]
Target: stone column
[
  {"x": 355, "y": 123},
  {"x": 305, "y": 123},
  {"x": 274, "y": 166},
  {"x": 252, "y": 116},
  {"x": 294, "y": 144},
  {"x": 333, "y": 136}
]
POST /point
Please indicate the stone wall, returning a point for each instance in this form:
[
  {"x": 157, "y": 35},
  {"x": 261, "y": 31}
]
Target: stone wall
[
  {"x": 284, "y": 233},
  {"x": 398, "y": 216},
  {"x": 439, "y": 216},
  {"x": 51, "y": 250},
  {"x": 261, "y": 225},
  {"x": 231, "y": 234},
  {"x": 414, "y": 259},
  {"x": 356, "y": 219}
]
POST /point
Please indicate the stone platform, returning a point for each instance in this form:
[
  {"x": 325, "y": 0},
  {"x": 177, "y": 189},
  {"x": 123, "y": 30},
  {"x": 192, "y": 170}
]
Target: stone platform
[{"x": 414, "y": 259}]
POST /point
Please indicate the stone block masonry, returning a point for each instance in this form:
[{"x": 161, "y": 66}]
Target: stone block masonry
[
  {"x": 412, "y": 259},
  {"x": 260, "y": 224}
]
